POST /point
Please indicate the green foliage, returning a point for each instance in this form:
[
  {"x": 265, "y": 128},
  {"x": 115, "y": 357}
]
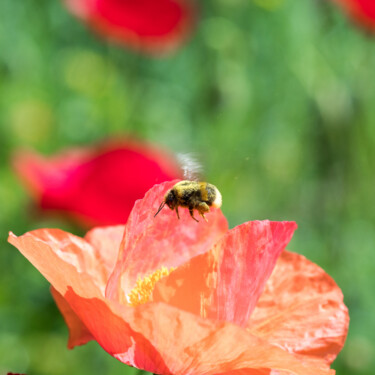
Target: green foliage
[{"x": 275, "y": 97}]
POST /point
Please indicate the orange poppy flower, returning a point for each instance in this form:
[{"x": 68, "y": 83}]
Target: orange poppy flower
[
  {"x": 153, "y": 26},
  {"x": 97, "y": 185},
  {"x": 361, "y": 11},
  {"x": 181, "y": 297}
]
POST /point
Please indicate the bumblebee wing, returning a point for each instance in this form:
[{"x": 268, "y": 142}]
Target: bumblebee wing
[{"x": 191, "y": 167}]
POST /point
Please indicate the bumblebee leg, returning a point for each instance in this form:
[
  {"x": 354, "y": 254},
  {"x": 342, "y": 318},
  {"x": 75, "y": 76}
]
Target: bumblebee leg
[
  {"x": 202, "y": 208},
  {"x": 204, "y": 217},
  {"x": 177, "y": 213},
  {"x": 192, "y": 214}
]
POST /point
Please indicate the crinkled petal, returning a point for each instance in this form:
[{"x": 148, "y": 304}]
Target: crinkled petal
[
  {"x": 247, "y": 372},
  {"x": 226, "y": 282},
  {"x": 157, "y": 337},
  {"x": 301, "y": 310},
  {"x": 189, "y": 344},
  {"x": 84, "y": 297},
  {"x": 97, "y": 185},
  {"x": 106, "y": 240},
  {"x": 149, "y": 25},
  {"x": 78, "y": 333},
  {"x": 166, "y": 340},
  {"x": 249, "y": 254},
  {"x": 66, "y": 248},
  {"x": 153, "y": 242}
]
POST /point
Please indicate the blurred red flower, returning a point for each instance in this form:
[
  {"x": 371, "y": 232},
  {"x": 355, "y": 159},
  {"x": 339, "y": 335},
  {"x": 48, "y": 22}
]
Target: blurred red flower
[
  {"x": 362, "y": 11},
  {"x": 96, "y": 185},
  {"x": 181, "y": 297},
  {"x": 153, "y": 26}
]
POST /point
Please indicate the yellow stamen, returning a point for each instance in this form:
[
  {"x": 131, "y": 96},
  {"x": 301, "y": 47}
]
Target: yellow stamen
[{"x": 143, "y": 289}]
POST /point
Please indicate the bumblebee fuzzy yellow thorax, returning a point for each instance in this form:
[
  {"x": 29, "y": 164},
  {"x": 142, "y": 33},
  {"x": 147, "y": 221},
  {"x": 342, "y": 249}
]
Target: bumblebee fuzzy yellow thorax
[{"x": 186, "y": 186}]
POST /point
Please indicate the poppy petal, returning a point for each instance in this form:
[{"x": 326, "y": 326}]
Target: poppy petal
[
  {"x": 190, "y": 344},
  {"x": 97, "y": 185},
  {"x": 78, "y": 333},
  {"x": 69, "y": 279},
  {"x": 301, "y": 310},
  {"x": 177, "y": 342},
  {"x": 148, "y": 25},
  {"x": 37, "y": 173},
  {"x": 163, "y": 241},
  {"x": 362, "y": 11},
  {"x": 226, "y": 282},
  {"x": 248, "y": 372},
  {"x": 249, "y": 254},
  {"x": 164, "y": 340},
  {"x": 64, "y": 248},
  {"x": 106, "y": 240}
]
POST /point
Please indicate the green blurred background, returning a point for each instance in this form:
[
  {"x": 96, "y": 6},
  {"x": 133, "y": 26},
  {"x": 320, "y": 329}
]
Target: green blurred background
[{"x": 274, "y": 97}]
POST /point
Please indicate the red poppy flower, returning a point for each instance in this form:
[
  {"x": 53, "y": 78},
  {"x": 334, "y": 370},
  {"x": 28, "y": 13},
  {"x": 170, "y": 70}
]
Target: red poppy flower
[
  {"x": 362, "y": 11},
  {"x": 182, "y": 297},
  {"x": 149, "y": 25},
  {"x": 97, "y": 185}
]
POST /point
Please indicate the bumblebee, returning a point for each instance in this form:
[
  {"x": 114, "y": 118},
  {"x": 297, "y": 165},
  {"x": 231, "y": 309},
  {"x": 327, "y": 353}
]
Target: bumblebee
[{"x": 194, "y": 195}]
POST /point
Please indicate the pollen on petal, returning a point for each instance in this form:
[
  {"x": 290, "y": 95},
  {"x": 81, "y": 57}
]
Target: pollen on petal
[{"x": 143, "y": 289}]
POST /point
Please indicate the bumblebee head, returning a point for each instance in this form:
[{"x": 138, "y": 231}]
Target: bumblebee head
[{"x": 170, "y": 199}]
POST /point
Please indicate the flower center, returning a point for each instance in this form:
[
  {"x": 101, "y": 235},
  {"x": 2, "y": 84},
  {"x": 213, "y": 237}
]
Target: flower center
[{"x": 143, "y": 289}]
